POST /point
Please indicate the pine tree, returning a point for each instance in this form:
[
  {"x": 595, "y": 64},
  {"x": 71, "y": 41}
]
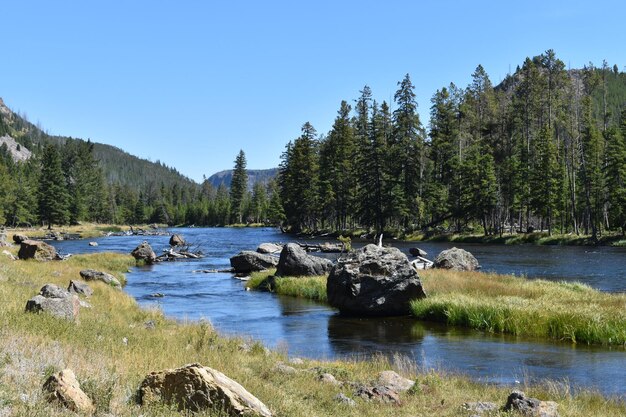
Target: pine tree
[
  {"x": 53, "y": 195},
  {"x": 238, "y": 188},
  {"x": 616, "y": 174}
]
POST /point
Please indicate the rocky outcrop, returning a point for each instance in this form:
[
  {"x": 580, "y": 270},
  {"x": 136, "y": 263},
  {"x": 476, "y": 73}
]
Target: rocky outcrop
[
  {"x": 81, "y": 288},
  {"x": 63, "y": 388},
  {"x": 456, "y": 259},
  {"x": 36, "y": 249},
  {"x": 295, "y": 262},
  {"x": 144, "y": 252},
  {"x": 177, "y": 240},
  {"x": 55, "y": 301},
  {"x": 93, "y": 275},
  {"x": 374, "y": 281},
  {"x": 195, "y": 387},
  {"x": 249, "y": 261},
  {"x": 18, "y": 238},
  {"x": 531, "y": 407},
  {"x": 269, "y": 248},
  {"x": 3, "y": 238}
]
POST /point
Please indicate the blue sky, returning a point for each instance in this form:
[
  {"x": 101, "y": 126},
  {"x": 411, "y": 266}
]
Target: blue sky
[{"x": 190, "y": 83}]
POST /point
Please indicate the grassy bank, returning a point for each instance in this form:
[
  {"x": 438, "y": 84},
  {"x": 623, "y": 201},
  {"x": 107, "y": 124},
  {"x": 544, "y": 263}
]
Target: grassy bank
[
  {"x": 498, "y": 304},
  {"x": 536, "y": 308},
  {"x": 537, "y": 238},
  {"x": 312, "y": 288},
  {"x": 112, "y": 348},
  {"x": 85, "y": 230}
]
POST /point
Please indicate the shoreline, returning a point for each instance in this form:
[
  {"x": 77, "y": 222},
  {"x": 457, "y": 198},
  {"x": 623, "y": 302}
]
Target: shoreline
[{"x": 111, "y": 349}]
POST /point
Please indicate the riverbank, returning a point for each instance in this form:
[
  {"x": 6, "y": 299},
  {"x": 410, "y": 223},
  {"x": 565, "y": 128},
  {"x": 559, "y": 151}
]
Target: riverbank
[
  {"x": 497, "y": 304},
  {"x": 537, "y": 238},
  {"x": 115, "y": 344}
]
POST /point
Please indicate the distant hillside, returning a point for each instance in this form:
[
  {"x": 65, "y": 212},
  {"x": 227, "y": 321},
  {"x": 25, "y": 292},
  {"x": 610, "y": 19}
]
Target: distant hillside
[
  {"x": 119, "y": 167},
  {"x": 254, "y": 176}
]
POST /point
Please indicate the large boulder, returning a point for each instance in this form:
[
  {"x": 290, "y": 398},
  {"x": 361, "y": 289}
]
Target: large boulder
[
  {"x": 63, "y": 388},
  {"x": 249, "y": 261},
  {"x": 295, "y": 262},
  {"x": 177, "y": 240},
  {"x": 144, "y": 252},
  {"x": 269, "y": 248},
  {"x": 456, "y": 259},
  {"x": 55, "y": 301},
  {"x": 374, "y": 281},
  {"x": 531, "y": 407},
  {"x": 36, "y": 249},
  {"x": 195, "y": 388},
  {"x": 93, "y": 275}
]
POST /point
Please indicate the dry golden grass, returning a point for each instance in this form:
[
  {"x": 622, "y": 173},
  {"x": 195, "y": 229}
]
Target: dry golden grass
[{"x": 111, "y": 350}]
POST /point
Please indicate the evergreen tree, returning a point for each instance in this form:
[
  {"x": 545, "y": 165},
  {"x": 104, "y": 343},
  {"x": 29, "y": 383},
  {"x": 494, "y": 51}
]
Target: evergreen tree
[
  {"x": 238, "y": 188},
  {"x": 53, "y": 195},
  {"x": 616, "y": 175}
]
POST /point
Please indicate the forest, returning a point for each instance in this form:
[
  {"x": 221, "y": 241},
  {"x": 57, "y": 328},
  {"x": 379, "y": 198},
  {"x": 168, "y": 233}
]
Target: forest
[{"x": 544, "y": 150}]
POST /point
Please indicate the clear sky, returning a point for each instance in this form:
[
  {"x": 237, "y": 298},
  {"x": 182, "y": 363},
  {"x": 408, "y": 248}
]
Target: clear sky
[{"x": 190, "y": 83}]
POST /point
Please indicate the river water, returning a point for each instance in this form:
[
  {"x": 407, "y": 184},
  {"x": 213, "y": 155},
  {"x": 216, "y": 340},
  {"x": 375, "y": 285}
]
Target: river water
[{"x": 305, "y": 328}]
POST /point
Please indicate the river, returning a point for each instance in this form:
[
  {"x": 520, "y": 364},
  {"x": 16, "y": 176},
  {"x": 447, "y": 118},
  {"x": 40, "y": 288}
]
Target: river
[{"x": 305, "y": 328}]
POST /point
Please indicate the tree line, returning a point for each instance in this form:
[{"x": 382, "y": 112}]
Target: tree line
[{"x": 543, "y": 150}]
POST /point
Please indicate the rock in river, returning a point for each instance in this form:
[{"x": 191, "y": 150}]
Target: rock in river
[
  {"x": 374, "y": 281},
  {"x": 177, "y": 240},
  {"x": 195, "y": 388},
  {"x": 249, "y": 261},
  {"x": 144, "y": 252},
  {"x": 295, "y": 262},
  {"x": 456, "y": 259}
]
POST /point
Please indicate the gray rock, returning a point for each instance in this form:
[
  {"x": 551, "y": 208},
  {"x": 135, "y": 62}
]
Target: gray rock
[
  {"x": 456, "y": 259},
  {"x": 18, "y": 238},
  {"x": 531, "y": 407},
  {"x": 195, "y": 388},
  {"x": 144, "y": 252},
  {"x": 268, "y": 248},
  {"x": 177, "y": 240},
  {"x": 94, "y": 244},
  {"x": 327, "y": 378},
  {"x": 296, "y": 361},
  {"x": 93, "y": 275},
  {"x": 374, "y": 281},
  {"x": 79, "y": 287},
  {"x": 55, "y": 301},
  {"x": 295, "y": 262},
  {"x": 377, "y": 393},
  {"x": 344, "y": 399},
  {"x": 3, "y": 238},
  {"x": 480, "y": 407},
  {"x": 395, "y": 382},
  {"x": 281, "y": 368},
  {"x": 36, "y": 249},
  {"x": 249, "y": 261}
]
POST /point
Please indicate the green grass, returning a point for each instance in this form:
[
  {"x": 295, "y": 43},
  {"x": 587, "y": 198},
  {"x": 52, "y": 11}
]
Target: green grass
[
  {"x": 33, "y": 346},
  {"x": 537, "y": 238},
  {"x": 534, "y": 308},
  {"x": 312, "y": 288}
]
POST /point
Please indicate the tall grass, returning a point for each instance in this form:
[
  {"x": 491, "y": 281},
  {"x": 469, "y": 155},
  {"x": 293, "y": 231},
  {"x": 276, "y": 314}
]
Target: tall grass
[
  {"x": 312, "y": 288},
  {"x": 538, "y": 308}
]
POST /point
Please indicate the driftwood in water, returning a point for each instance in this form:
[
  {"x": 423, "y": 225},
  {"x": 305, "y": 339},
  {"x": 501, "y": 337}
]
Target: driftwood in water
[
  {"x": 322, "y": 247},
  {"x": 215, "y": 271},
  {"x": 422, "y": 263},
  {"x": 173, "y": 255}
]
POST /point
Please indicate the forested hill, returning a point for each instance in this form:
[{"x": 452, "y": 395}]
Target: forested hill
[
  {"x": 543, "y": 150},
  {"x": 118, "y": 167},
  {"x": 263, "y": 176}
]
